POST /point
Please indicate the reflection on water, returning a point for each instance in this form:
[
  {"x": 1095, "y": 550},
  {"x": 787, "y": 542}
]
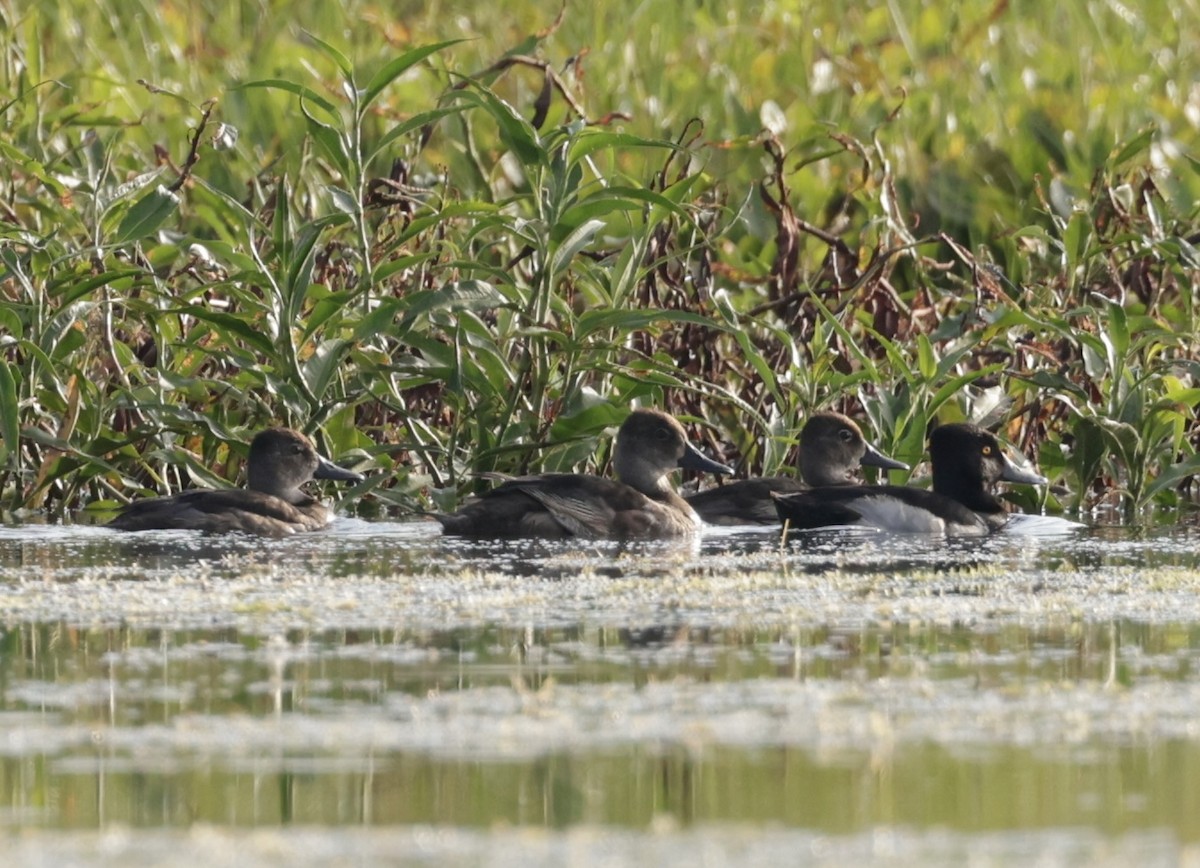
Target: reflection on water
[
  {"x": 380, "y": 675},
  {"x": 836, "y": 729}
]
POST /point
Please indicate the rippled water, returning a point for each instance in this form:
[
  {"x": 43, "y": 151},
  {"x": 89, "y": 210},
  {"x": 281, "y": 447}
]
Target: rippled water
[{"x": 377, "y": 690}]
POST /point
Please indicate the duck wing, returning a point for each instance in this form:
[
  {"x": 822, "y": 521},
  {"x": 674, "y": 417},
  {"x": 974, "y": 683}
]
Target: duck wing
[
  {"x": 526, "y": 506},
  {"x": 222, "y": 511},
  {"x": 590, "y": 507},
  {"x": 559, "y": 505},
  {"x": 746, "y": 501}
]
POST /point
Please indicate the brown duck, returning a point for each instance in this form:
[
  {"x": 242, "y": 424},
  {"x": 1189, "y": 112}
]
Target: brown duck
[
  {"x": 642, "y": 505},
  {"x": 832, "y": 447},
  {"x": 273, "y": 503}
]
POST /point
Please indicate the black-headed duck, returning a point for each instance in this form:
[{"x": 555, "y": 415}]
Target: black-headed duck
[
  {"x": 273, "y": 504},
  {"x": 642, "y": 505},
  {"x": 967, "y": 461},
  {"x": 832, "y": 447}
]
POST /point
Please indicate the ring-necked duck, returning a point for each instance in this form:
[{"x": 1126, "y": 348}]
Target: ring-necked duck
[
  {"x": 272, "y": 504},
  {"x": 832, "y": 447},
  {"x": 967, "y": 461},
  {"x": 642, "y": 505}
]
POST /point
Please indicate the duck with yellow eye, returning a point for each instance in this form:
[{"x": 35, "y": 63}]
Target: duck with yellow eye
[{"x": 967, "y": 462}]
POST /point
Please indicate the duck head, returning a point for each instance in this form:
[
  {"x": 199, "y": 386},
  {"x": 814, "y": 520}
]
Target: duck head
[
  {"x": 832, "y": 446},
  {"x": 967, "y": 461},
  {"x": 650, "y": 444},
  {"x": 281, "y": 460}
]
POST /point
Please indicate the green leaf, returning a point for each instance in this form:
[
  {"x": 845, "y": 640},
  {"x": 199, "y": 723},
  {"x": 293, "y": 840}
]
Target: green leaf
[
  {"x": 416, "y": 122},
  {"x": 462, "y": 295},
  {"x": 518, "y": 135},
  {"x": 147, "y": 214},
  {"x": 926, "y": 359},
  {"x": 228, "y": 325},
  {"x": 234, "y": 206},
  {"x": 334, "y": 54},
  {"x": 397, "y": 67},
  {"x": 1088, "y": 453},
  {"x": 1126, "y": 440},
  {"x": 1075, "y": 241},
  {"x": 378, "y": 320},
  {"x": 10, "y": 428},
  {"x": 1132, "y": 148},
  {"x": 385, "y": 270},
  {"x": 77, "y": 286},
  {"x": 1174, "y": 475},
  {"x": 32, "y": 168},
  {"x": 330, "y": 140},
  {"x": 62, "y": 342},
  {"x": 560, "y": 260},
  {"x": 342, "y": 200},
  {"x": 587, "y": 422},
  {"x": 325, "y": 309},
  {"x": 1116, "y": 336},
  {"x": 300, "y": 271},
  {"x": 11, "y": 324},
  {"x": 625, "y": 198},
  {"x": 591, "y": 208},
  {"x": 321, "y": 367},
  {"x": 953, "y": 387},
  {"x": 590, "y": 140},
  {"x": 306, "y": 94},
  {"x": 752, "y": 354},
  {"x": 281, "y": 226},
  {"x": 28, "y": 347},
  {"x": 109, "y": 197},
  {"x": 851, "y": 344},
  {"x": 593, "y": 321}
]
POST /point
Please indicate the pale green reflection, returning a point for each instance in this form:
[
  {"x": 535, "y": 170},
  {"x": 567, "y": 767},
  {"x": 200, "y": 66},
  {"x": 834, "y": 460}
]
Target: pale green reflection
[{"x": 835, "y": 728}]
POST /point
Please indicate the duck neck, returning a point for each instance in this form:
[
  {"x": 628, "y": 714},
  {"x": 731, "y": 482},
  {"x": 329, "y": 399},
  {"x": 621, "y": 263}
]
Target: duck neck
[
  {"x": 820, "y": 474},
  {"x": 633, "y": 470},
  {"x": 298, "y": 497},
  {"x": 967, "y": 488},
  {"x": 290, "y": 494},
  {"x": 660, "y": 490}
]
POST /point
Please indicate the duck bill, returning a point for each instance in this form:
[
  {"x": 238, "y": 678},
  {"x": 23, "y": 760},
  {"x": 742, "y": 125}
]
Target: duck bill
[
  {"x": 1013, "y": 473},
  {"x": 874, "y": 458},
  {"x": 694, "y": 459},
  {"x": 326, "y": 469}
]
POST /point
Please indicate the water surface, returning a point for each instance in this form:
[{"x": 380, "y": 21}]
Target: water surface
[{"x": 379, "y": 689}]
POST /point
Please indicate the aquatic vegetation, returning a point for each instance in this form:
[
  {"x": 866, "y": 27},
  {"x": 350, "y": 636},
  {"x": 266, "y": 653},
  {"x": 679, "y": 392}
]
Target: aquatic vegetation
[{"x": 451, "y": 252}]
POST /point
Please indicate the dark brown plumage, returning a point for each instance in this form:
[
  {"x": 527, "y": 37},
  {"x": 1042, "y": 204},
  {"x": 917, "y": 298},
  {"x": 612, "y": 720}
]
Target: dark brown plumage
[
  {"x": 272, "y": 504},
  {"x": 642, "y": 505}
]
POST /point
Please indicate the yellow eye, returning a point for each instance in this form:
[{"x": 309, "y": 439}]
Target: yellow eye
[{"x": 986, "y": 450}]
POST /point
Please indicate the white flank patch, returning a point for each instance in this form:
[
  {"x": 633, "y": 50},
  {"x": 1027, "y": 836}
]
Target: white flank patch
[{"x": 889, "y": 513}]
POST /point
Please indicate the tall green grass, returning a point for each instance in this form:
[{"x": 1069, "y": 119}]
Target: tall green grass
[{"x": 448, "y": 243}]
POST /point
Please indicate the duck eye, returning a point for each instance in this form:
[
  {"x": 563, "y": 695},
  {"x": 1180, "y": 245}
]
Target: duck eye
[
  {"x": 846, "y": 434},
  {"x": 986, "y": 450}
]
